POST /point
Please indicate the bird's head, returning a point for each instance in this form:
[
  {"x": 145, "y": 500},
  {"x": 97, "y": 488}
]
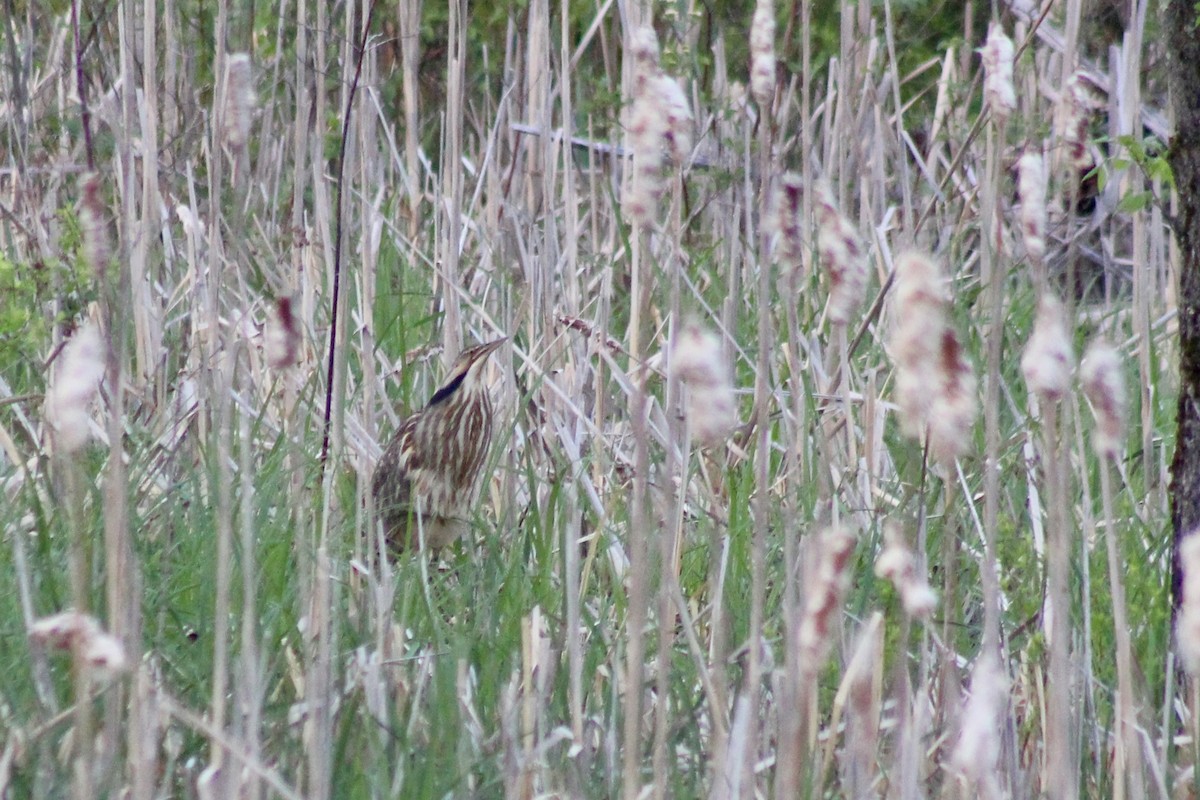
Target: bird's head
[{"x": 464, "y": 375}]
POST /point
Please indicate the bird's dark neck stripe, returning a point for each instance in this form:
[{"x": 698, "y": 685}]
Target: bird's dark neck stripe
[{"x": 447, "y": 390}]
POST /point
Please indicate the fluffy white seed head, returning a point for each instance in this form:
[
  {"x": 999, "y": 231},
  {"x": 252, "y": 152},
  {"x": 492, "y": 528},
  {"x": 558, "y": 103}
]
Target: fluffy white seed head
[
  {"x": 1074, "y": 112},
  {"x": 678, "y": 118},
  {"x": 644, "y": 49},
  {"x": 240, "y": 100},
  {"x": 102, "y": 653},
  {"x": 1187, "y": 627},
  {"x": 823, "y": 598},
  {"x": 897, "y": 564},
  {"x": 1049, "y": 357},
  {"x": 93, "y": 225},
  {"x": 1031, "y": 189},
  {"x": 647, "y": 126},
  {"x": 1103, "y": 384},
  {"x": 977, "y": 751},
  {"x": 955, "y": 404},
  {"x": 998, "y": 53},
  {"x": 843, "y": 256},
  {"x": 660, "y": 117},
  {"x": 917, "y": 336},
  {"x": 698, "y": 361},
  {"x": 74, "y": 386},
  {"x": 787, "y": 210},
  {"x": 762, "y": 54},
  {"x": 935, "y": 384}
]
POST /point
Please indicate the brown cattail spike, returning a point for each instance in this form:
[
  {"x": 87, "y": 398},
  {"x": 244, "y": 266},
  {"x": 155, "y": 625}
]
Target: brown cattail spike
[
  {"x": 93, "y": 225},
  {"x": 281, "y": 337}
]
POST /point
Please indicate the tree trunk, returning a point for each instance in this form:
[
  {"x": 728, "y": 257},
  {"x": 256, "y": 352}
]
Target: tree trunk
[{"x": 1184, "y": 156}]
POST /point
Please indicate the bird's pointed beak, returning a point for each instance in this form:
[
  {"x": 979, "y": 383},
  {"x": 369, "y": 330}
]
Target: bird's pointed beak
[{"x": 491, "y": 347}]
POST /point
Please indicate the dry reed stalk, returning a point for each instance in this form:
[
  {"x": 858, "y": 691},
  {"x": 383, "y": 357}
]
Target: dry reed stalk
[
  {"x": 976, "y": 754},
  {"x": 72, "y": 390},
  {"x": 249, "y": 684},
  {"x": 1100, "y": 375},
  {"x": 640, "y": 525},
  {"x": 860, "y": 695},
  {"x": 994, "y": 273},
  {"x": 821, "y": 617},
  {"x": 759, "y": 198},
  {"x": 1047, "y": 364},
  {"x": 573, "y": 530}
]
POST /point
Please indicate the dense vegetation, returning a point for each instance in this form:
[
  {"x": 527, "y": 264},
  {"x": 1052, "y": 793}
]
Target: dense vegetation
[{"x": 726, "y": 544}]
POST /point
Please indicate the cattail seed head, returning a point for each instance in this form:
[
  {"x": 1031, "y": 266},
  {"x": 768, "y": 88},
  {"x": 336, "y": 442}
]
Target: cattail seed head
[
  {"x": 823, "y": 598},
  {"x": 787, "y": 210},
  {"x": 698, "y": 361},
  {"x": 1187, "y": 627},
  {"x": 955, "y": 405},
  {"x": 73, "y": 387},
  {"x": 897, "y": 564},
  {"x": 998, "y": 53},
  {"x": 843, "y": 256},
  {"x": 240, "y": 100},
  {"x": 93, "y": 225},
  {"x": 102, "y": 653},
  {"x": 1100, "y": 374},
  {"x": 1031, "y": 189},
  {"x": 1074, "y": 113},
  {"x": 1049, "y": 357},
  {"x": 281, "y": 335},
  {"x": 659, "y": 117},
  {"x": 678, "y": 112},
  {"x": 643, "y": 45},
  {"x": 935, "y": 385},
  {"x": 917, "y": 337},
  {"x": 762, "y": 54},
  {"x": 977, "y": 752}
]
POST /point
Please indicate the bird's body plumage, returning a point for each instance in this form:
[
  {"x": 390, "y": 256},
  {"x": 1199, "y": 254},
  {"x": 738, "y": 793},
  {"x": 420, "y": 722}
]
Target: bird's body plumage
[{"x": 427, "y": 480}]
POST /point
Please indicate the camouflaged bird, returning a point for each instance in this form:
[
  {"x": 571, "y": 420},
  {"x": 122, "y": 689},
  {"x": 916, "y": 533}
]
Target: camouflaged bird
[{"x": 427, "y": 480}]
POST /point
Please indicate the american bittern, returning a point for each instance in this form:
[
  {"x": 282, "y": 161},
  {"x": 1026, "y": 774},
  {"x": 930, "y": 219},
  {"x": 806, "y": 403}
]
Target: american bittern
[{"x": 428, "y": 477}]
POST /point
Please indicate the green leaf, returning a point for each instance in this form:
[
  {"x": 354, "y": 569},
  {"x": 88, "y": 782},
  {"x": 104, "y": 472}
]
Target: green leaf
[{"x": 1135, "y": 201}]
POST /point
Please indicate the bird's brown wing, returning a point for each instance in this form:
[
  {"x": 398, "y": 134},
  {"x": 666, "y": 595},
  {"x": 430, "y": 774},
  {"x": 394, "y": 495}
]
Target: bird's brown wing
[{"x": 392, "y": 484}]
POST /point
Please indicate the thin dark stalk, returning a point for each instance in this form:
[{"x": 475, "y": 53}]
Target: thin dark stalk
[
  {"x": 85, "y": 114},
  {"x": 327, "y": 417}
]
